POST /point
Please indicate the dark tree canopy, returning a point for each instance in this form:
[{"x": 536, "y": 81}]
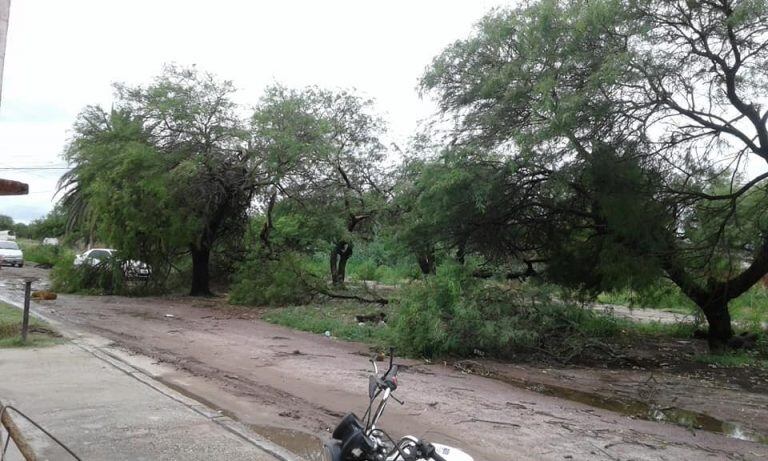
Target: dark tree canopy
[
  {"x": 168, "y": 170},
  {"x": 672, "y": 92}
]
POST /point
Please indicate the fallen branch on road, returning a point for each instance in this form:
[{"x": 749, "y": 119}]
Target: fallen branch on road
[{"x": 319, "y": 287}]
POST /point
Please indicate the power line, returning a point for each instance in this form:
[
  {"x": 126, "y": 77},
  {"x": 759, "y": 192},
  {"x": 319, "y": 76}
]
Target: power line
[{"x": 37, "y": 168}]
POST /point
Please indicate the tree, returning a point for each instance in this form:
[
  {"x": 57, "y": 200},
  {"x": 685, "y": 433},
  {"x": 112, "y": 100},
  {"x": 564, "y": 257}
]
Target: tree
[
  {"x": 459, "y": 203},
  {"x": 53, "y": 224},
  {"x": 324, "y": 155},
  {"x": 665, "y": 92},
  {"x": 169, "y": 167},
  {"x": 6, "y": 222}
]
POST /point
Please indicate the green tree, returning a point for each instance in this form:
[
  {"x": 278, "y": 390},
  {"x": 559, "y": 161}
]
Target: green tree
[
  {"x": 324, "y": 156},
  {"x": 53, "y": 224},
  {"x": 665, "y": 94},
  {"x": 461, "y": 203},
  {"x": 169, "y": 168},
  {"x": 6, "y": 222}
]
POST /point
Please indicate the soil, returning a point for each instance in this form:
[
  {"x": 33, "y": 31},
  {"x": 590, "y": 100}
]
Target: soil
[{"x": 284, "y": 382}]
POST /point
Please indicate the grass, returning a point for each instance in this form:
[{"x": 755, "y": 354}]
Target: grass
[
  {"x": 338, "y": 318},
  {"x": 10, "y": 330},
  {"x": 671, "y": 330},
  {"x": 738, "y": 359},
  {"x": 750, "y": 310},
  {"x": 42, "y": 254}
]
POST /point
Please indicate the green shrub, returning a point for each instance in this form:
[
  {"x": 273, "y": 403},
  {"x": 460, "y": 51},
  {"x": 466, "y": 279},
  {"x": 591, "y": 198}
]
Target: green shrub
[
  {"x": 43, "y": 254},
  {"x": 366, "y": 269},
  {"x": 336, "y": 318},
  {"x": 10, "y": 330},
  {"x": 261, "y": 281},
  {"x": 454, "y": 314},
  {"x": 104, "y": 278}
]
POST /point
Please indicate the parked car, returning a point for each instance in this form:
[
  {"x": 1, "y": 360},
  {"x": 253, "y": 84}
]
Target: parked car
[
  {"x": 131, "y": 268},
  {"x": 51, "y": 241},
  {"x": 7, "y": 235},
  {"x": 11, "y": 254}
]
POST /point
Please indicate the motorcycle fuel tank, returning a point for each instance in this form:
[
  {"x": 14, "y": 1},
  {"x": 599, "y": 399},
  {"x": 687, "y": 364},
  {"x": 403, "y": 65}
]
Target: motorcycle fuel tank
[{"x": 450, "y": 453}]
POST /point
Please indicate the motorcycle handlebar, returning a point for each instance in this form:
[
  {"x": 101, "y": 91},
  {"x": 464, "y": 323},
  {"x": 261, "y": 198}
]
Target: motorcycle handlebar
[
  {"x": 429, "y": 450},
  {"x": 391, "y": 358}
]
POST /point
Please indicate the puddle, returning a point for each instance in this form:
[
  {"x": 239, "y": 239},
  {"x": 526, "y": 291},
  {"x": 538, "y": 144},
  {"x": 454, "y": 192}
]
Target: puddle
[
  {"x": 17, "y": 284},
  {"x": 145, "y": 315},
  {"x": 305, "y": 445},
  {"x": 643, "y": 410}
]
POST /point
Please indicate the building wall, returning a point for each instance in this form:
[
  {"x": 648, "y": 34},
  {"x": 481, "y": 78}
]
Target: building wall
[{"x": 5, "y": 7}]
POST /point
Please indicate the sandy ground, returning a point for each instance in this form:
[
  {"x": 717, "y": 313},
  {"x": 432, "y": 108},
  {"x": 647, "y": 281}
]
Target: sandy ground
[{"x": 278, "y": 379}]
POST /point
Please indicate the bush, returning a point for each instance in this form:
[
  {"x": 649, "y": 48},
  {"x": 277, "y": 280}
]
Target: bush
[
  {"x": 262, "y": 281},
  {"x": 104, "y": 278},
  {"x": 366, "y": 269},
  {"x": 454, "y": 314},
  {"x": 338, "y": 318},
  {"x": 43, "y": 254}
]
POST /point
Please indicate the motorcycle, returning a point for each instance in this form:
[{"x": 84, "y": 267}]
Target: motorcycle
[{"x": 353, "y": 440}]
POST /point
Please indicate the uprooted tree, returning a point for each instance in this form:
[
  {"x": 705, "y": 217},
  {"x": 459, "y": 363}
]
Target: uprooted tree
[{"x": 627, "y": 127}]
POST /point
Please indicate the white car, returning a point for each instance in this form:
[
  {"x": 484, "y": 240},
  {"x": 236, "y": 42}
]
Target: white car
[
  {"x": 96, "y": 256},
  {"x": 11, "y": 254}
]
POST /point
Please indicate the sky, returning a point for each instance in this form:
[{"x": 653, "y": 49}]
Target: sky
[{"x": 62, "y": 56}]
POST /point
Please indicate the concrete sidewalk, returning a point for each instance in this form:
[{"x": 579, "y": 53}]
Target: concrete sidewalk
[{"x": 103, "y": 409}]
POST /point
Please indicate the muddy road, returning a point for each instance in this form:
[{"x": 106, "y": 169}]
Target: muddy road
[{"x": 294, "y": 386}]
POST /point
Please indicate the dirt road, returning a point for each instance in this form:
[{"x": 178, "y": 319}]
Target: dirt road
[{"x": 287, "y": 383}]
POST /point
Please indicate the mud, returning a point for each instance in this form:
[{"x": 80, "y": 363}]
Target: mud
[
  {"x": 293, "y": 387},
  {"x": 644, "y": 410}
]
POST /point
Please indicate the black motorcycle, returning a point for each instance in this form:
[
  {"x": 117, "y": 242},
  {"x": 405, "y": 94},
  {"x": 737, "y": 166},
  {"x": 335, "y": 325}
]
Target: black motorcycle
[{"x": 360, "y": 440}]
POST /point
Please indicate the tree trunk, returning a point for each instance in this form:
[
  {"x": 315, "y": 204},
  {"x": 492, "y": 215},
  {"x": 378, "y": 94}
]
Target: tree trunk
[
  {"x": 343, "y": 258},
  {"x": 461, "y": 253},
  {"x": 719, "y": 320},
  {"x": 427, "y": 264},
  {"x": 200, "y": 277},
  {"x": 712, "y": 299},
  {"x": 339, "y": 257},
  {"x": 266, "y": 229}
]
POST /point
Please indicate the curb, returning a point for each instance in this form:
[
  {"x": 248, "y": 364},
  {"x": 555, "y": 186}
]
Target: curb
[{"x": 231, "y": 425}]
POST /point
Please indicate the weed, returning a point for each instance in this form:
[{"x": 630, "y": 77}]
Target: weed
[
  {"x": 336, "y": 318},
  {"x": 43, "y": 254},
  {"x": 263, "y": 281},
  {"x": 10, "y": 330},
  {"x": 733, "y": 360}
]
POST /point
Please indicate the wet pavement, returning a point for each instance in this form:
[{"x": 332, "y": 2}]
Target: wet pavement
[{"x": 102, "y": 412}]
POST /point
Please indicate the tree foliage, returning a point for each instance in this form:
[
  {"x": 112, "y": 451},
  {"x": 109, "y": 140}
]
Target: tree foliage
[
  {"x": 168, "y": 170},
  {"x": 665, "y": 88},
  {"x": 324, "y": 156}
]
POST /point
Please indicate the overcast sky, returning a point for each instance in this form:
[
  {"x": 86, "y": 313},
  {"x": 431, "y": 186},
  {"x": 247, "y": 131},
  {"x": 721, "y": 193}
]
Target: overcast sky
[{"x": 63, "y": 55}]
